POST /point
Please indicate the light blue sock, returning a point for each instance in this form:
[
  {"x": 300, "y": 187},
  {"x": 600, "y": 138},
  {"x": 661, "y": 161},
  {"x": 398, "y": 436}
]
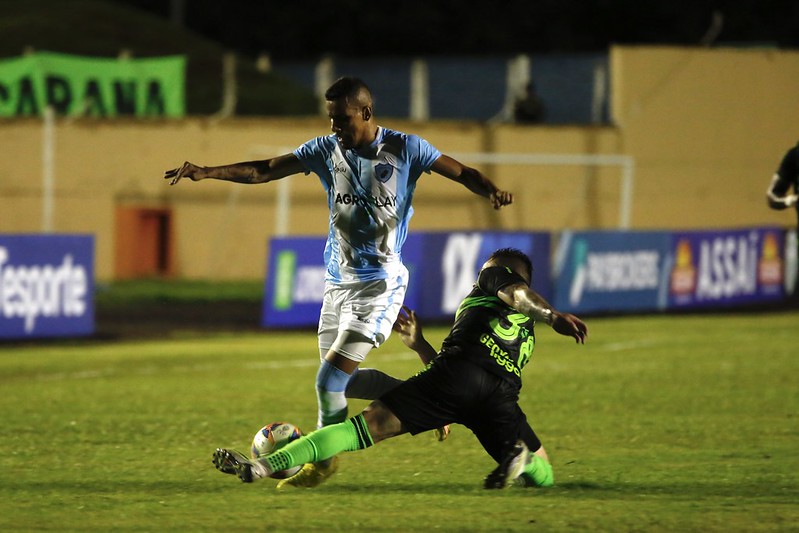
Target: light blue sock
[{"x": 331, "y": 383}]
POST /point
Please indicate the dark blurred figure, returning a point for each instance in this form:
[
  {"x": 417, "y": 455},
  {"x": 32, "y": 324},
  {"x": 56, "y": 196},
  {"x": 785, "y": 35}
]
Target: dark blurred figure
[
  {"x": 529, "y": 108},
  {"x": 786, "y": 177},
  {"x": 779, "y": 197}
]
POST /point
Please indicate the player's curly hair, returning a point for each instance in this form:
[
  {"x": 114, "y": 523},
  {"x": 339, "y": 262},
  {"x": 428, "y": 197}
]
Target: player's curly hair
[{"x": 513, "y": 253}]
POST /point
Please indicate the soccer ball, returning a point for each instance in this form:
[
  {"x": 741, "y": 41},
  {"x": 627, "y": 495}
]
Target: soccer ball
[{"x": 271, "y": 438}]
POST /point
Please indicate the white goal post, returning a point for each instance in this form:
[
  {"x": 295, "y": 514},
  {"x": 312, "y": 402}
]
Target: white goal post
[{"x": 625, "y": 163}]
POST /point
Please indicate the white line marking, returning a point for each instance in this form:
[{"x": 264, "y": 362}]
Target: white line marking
[
  {"x": 205, "y": 367},
  {"x": 629, "y": 345},
  {"x": 304, "y": 363}
]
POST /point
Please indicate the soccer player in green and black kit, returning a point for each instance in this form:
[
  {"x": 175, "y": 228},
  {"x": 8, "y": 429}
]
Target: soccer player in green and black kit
[{"x": 474, "y": 381}]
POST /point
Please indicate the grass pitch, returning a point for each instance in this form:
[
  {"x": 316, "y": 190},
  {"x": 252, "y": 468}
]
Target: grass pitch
[{"x": 665, "y": 423}]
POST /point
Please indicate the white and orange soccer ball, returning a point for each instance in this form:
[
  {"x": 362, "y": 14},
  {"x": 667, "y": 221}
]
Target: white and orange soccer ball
[{"x": 271, "y": 438}]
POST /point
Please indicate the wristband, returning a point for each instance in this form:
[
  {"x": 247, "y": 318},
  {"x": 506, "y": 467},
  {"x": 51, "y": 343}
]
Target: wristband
[{"x": 547, "y": 316}]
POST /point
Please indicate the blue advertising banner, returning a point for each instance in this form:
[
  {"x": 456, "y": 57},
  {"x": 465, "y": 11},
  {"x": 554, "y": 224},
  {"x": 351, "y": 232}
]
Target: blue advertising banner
[
  {"x": 442, "y": 267},
  {"x": 451, "y": 262},
  {"x": 595, "y": 271},
  {"x": 612, "y": 271},
  {"x": 295, "y": 282},
  {"x": 46, "y": 286},
  {"x": 727, "y": 267}
]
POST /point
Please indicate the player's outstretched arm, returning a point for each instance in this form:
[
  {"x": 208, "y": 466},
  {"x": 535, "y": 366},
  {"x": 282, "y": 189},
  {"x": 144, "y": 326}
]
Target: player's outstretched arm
[
  {"x": 776, "y": 199},
  {"x": 409, "y": 330},
  {"x": 472, "y": 179},
  {"x": 246, "y": 172},
  {"x": 527, "y": 301},
  {"x": 777, "y": 193}
]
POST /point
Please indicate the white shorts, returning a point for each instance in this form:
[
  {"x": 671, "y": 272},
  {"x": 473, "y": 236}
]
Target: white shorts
[{"x": 368, "y": 309}]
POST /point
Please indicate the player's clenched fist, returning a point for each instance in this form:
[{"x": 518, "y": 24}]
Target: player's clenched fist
[{"x": 186, "y": 170}]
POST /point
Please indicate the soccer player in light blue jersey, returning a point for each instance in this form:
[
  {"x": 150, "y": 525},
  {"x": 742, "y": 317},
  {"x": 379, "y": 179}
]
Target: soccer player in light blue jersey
[{"x": 369, "y": 173}]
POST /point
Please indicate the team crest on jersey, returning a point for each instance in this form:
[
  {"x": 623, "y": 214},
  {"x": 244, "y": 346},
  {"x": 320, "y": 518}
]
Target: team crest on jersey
[{"x": 383, "y": 172}]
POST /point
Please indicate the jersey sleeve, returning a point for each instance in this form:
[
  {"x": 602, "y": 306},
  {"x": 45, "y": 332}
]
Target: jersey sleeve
[
  {"x": 422, "y": 152},
  {"x": 493, "y": 279},
  {"x": 788, "y": 172},
  {"x": 313, "y": 155}
]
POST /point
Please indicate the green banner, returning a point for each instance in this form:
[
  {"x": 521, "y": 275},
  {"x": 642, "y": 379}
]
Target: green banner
[{"x": 92, "y": 86}]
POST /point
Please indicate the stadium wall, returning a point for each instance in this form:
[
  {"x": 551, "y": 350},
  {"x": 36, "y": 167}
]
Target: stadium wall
[{"x": 706, "y": 128}]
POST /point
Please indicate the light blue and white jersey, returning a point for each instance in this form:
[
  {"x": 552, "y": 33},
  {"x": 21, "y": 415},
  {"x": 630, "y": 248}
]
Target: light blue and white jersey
[{"x": 369, "y": 193}]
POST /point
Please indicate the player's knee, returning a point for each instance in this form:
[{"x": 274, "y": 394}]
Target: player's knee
[
  {"x": 382, "y": 423},
  {"x": 352, "y": 346}
]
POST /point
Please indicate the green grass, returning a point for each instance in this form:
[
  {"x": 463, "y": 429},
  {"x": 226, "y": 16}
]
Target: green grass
[{"x": 659, "y": 423}]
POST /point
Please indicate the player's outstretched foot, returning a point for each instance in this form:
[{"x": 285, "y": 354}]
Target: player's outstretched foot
[
  {"x": 509, "y": 468},
  {"x": 311, "y": 474},
  {"x": 232, "y": 462}
]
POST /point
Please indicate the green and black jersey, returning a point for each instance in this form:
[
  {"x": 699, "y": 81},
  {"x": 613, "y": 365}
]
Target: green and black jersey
[{"x": 489, "y": 332}]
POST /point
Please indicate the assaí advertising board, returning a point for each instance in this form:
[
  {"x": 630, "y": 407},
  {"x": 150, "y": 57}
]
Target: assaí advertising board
[{"x": 730, "y": 267}]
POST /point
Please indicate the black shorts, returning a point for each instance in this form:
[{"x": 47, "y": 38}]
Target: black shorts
[{"x": 454, "y": 390}]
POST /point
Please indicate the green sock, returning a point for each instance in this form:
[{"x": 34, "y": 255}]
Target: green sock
[
  {"x": 539, "y": 471},
  {"x": 322, "y": 444}
]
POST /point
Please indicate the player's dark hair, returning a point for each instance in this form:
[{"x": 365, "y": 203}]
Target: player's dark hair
[
  {"x": 346, "y": 87},
  {"x": 513, "y": 253}
]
